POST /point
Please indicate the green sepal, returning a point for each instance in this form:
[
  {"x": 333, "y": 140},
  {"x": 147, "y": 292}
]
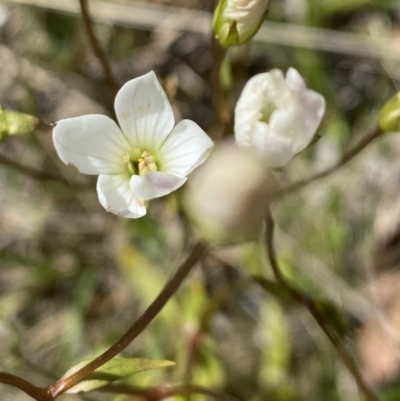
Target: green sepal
[{"x": 233, "y": 37}]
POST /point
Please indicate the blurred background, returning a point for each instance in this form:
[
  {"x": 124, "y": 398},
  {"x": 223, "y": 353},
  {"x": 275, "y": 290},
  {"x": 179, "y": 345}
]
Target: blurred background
[{"x": 73, "y": 277}]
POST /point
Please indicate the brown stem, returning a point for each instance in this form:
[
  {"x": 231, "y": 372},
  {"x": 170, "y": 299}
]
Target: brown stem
[
  {"x": 310, "y": 305},
  {"x": 39, "y": 175},
  {"x": 342, "y": 162},
  {"x": 96, "y": 46},
  {"x": 159, "y": 393},
  {"x": 137, "y": 327},
  {"x": 37, "y": 393}
]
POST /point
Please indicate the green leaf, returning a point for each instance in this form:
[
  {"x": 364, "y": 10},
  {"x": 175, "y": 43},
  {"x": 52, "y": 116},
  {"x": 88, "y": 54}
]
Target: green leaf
[
  {"x": 116, "y": 369},
  {"x": 274, "y": 289},
  {"x": 15, "y": 123}
]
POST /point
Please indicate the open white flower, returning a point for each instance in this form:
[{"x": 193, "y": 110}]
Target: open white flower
[
  {"x": 276, "y": 116},
  {"x": 144, "y": 158}
]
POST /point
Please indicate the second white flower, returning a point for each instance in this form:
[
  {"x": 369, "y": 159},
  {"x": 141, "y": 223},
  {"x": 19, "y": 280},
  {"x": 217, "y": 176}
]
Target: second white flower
[{"x": 277, "y": 116}]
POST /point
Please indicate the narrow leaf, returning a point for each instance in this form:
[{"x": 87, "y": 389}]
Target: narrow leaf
[{"x": 116, "y": 369}]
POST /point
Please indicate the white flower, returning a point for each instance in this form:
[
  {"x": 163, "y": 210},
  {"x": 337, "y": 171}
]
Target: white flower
[
  {"x": 276, "y": 116},
  {"x": 144, "y": 158},
  {"x": 237, "y": 21}
]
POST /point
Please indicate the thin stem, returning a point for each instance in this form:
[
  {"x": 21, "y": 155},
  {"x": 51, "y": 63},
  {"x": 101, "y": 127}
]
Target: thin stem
[
  {"x": 96, "y": 46},
  {"x": 342, "y": 162},
  {"x": 223, "y": 114},
  {"x": 159, "y": 393},
  {"x": 310, "y": 305},
  {"x": 37, "y": 393},
  {"x": 269, "y": 239},
  {"x": 216, "y": 88},
  {"x": 39, "y": 175},
  {"x": 137, "y": 327}
]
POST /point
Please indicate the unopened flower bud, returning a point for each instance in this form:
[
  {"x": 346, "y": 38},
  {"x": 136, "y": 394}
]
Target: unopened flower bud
[
  {"x": 389, "y": 118},
  {"x": 237, "y": 21},
  {"x": 226, "y": 198}
]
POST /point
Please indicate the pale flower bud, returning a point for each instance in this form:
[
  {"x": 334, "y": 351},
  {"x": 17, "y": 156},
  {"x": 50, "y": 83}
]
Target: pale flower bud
[
  {"x": 226, "y": 198},
  {"x": 277, "y": 117},
  {"x": 389, "y": 119},
  {"x": 237, "y": 21}
]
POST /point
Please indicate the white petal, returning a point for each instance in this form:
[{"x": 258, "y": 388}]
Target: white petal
[
  {"x": 313, "y": 111},
  {"x": 275, "y": 150},
  {"x": 154, "y": 185},
  {"x": 295, "y": 81},
  {"x": 300, "y": 120},
  {"x": 262, "y": 92},
  {"x": 249, "y": 107},
  {"x": 186, "y": 148},
  {"x": 92, "y": 143},
  {"x": 144, "y": 112},
  {"x": 248, "y": 15},
  {"x": 116, "y": 196},
  {"x": 276, "y": 89}
]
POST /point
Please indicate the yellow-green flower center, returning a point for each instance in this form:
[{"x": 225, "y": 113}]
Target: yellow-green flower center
[
  {"x": 267, "y": 111},
  {"x": 139, "y": 162}
]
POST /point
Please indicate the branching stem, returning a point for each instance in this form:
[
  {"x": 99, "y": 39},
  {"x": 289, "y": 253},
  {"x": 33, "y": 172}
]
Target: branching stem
[
  {"x": 350, "y": 155},
  {"x": 51, "y": 392},
  {"x": 39, "y": 394},
  {"x": 310, "y": 305},
  {"x": 137, "y": 327}
]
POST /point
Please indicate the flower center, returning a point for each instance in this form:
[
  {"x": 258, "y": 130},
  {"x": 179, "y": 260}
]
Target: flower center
[
  {"x": 139, "y": 162},
  {"x": 266, "y": 111}
]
